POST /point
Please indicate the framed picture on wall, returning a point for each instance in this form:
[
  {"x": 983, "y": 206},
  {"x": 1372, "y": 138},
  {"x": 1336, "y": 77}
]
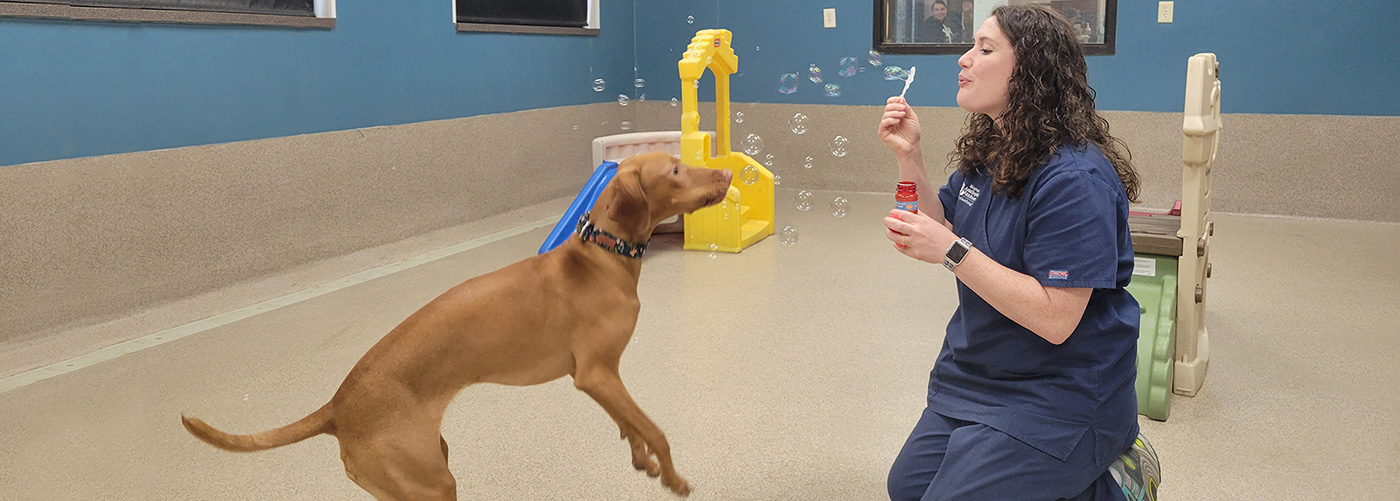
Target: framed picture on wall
[{"x": 947, "y": 26}]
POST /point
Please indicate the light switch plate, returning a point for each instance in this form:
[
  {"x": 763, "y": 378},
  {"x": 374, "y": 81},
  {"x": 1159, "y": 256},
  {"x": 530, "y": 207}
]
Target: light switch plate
[
  {"x": 1164, "y": 12},
  {"x": 829, "y": 18}
]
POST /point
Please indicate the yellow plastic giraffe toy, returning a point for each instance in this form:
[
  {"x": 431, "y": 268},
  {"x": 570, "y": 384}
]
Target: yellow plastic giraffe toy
[{"x": 746, "y": 215}]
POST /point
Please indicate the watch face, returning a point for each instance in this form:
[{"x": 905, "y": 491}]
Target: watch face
[{"x": 957, "y": 252}]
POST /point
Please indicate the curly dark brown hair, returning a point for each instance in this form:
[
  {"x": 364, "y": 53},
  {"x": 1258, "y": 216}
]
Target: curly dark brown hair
[{"x": 1049, "y": 100}]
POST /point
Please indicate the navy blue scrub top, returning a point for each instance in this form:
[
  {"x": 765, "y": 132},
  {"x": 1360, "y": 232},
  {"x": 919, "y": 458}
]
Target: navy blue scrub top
[{"x": 1069, "y": 228}]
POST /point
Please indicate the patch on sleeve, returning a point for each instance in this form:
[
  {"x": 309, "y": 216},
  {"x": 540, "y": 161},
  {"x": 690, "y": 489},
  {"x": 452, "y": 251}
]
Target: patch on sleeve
[{"x": 1059, "y": 275}]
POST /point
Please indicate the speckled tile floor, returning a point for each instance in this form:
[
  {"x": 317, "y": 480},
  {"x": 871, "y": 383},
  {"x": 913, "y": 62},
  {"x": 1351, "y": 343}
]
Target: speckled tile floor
[{"x": 779, "y": 373}]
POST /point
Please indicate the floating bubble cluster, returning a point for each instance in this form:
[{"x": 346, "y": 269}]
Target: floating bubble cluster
[
  {"x": 848, "y": 67},
  {"x": 752, "y": 144},
  {"x": 838, "y": 146},
  {"x": 895, "y": 73},
  {"x": 804, "y": 200},
  {"x": 789, "y": 236},
  {"x": 840, "y": 207},
  {"x": 787, "y": 83},
  {"x": 798, "y": 124},
  {"x": 749, "y": 175}
]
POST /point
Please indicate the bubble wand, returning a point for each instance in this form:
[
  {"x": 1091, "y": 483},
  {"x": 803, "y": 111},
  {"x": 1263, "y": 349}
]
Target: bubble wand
[{"x": 907, "y": 82}]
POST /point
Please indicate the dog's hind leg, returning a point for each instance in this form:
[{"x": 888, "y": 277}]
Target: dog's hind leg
[{"x": 401, "y": 465}]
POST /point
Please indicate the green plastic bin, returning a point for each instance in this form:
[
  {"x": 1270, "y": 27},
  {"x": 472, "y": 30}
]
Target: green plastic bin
[{"x": 1154, "y": 287}]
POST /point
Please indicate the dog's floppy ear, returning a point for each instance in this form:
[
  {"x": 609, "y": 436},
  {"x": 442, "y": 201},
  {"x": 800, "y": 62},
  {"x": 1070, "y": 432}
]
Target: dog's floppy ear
[{"x": 629, "y": 207}]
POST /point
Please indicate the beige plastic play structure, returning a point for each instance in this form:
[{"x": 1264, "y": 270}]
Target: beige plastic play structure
[
  {"x": 1202, "y": 129},
  {"x": 1187, "y": 235}
]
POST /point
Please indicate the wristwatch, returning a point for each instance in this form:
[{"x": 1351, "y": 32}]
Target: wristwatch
[{"x": 956, "y": 253}]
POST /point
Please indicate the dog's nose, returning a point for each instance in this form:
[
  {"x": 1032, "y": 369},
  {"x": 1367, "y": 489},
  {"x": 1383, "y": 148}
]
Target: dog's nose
[{"x": 728, "y": 175}]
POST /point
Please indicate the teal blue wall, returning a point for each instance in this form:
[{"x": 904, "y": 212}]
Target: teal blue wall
[
  {"x": 1338, "y": 57},
  {"x": 72, "y": 88},
  {"x": 76, "y": 88}
]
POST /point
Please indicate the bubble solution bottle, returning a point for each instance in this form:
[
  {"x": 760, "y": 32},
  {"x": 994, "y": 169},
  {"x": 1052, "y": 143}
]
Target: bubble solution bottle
[{"x": 906, "y": 196}]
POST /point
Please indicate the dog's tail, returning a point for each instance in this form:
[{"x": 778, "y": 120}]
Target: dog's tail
[{"x": 314, "y": 424}]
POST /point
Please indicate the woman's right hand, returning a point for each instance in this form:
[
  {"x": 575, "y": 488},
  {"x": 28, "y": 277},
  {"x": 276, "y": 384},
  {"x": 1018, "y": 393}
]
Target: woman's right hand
[{"x": 899, "y": 127}]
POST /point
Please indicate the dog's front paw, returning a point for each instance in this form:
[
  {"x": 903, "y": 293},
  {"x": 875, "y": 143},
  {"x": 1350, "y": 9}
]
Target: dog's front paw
[
  {"x": 645, "y": 463},
  {"x": 677, "y": 484},
  {"x": 641, "y": 457}
]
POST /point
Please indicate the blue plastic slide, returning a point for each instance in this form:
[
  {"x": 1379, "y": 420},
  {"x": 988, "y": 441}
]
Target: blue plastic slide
[{"x": 582, "y": 203}]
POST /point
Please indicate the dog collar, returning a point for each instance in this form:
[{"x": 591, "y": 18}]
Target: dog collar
[{"x": 590, "y": 233}]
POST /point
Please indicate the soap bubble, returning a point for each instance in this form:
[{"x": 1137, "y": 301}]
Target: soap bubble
[
  {"x": 787, "y": 83},
  {"x": 714, "y": 251},
  {"x": 755, "y": 48},
  {"x": 838, "y": 146},
  {"x": 875, "y": 59},
  {"x": 738, "y": 117},
  {"x": 789, "y": 236},
  {"x": 622, "y": 99},
  {"x": 895, "y": 73},
  {"x": 639, "y": 83},
  {"x": 777, "y": 180},
  {"x": 807, "y": 163},
  {"x": 833, "y": 90},
  {"x": 848, "y": 67},
  {"x": 752, "y": 144},
  {"x": 798, "y": 123},
  {"x": 749, "y": 175},
  {"x": 626, "y": 125},
  {"x": 814, "y": 74},
  {"x": 840, "y": 207},
  {"x": 768, "y": 160},
  {"x": 696, "y": 84},
  {"x": 690, "y": 20},
  {"x": 675, "y": 102},
  {"x": 575, "y": 127},
  {"x": 804, "y": 200},
  {"x": 599, "y": 85},
  {"x": 642, "y": 98}
]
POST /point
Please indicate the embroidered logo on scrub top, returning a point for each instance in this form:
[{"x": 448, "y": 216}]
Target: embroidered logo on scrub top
[
  {"x": 1059, "y": 275},
  {"x": 968, "y": 194}
]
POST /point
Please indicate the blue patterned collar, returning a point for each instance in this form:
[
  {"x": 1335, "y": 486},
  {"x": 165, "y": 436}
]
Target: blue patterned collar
[{"x": 590, "y": 233}]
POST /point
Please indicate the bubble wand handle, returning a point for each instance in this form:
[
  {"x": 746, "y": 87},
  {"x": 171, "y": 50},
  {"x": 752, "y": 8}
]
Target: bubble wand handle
[{"x": 907, "y": 82}]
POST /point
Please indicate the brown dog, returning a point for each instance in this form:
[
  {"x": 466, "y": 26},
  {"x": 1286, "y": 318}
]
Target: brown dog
[{"x": 568, "y": 311}]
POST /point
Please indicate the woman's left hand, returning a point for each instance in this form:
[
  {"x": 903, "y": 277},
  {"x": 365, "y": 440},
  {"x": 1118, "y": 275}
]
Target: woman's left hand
[{"x": 918, "y": 236}]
